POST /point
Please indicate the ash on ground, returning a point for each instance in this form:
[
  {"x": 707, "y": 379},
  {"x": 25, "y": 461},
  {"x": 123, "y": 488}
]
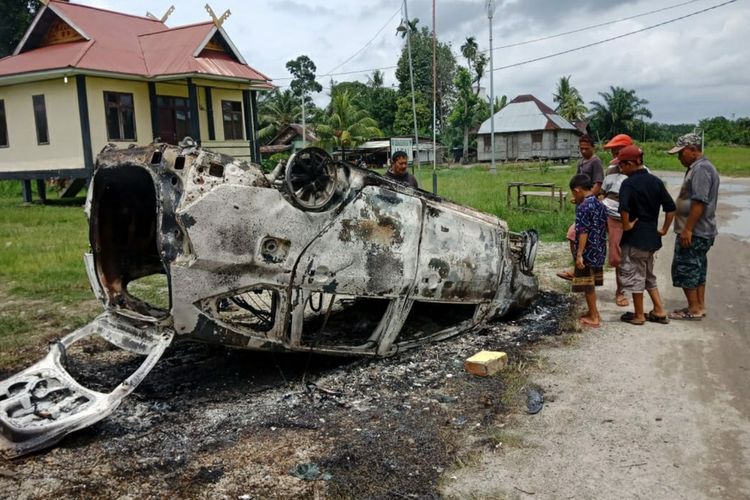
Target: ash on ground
[{"x": 211, "y": 422}]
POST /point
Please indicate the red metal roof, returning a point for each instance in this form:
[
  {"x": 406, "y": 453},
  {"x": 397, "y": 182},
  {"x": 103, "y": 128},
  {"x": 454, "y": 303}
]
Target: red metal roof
[{"x": 126, "y": 44}]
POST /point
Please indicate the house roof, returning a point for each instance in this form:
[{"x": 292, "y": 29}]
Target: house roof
[
  {"x": 525, "y": 113},
  {"x": 289, "y": 132},
  {"x": 88, "y": 38}
]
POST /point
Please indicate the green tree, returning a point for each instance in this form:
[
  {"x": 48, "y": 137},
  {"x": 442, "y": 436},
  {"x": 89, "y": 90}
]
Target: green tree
[
  {"x": 466, "y": 110},
  {"x": 303, "y": 71},
  {"x": 421, "y": 48},
  {"x": 378, "y": 101},
  {"x": 618, "y": 113},
  {"x": 376, "y": 79},
  {"x": 476, "y": 61},
  {"x": 404, "y": 118},
  {"x": 469, "y": 51},
  {"x": 345, "y": 125},
  {"x": 569, "y": 102},
  {"x": 17, "y": 16},
  {"x": 277, "y": 110}
]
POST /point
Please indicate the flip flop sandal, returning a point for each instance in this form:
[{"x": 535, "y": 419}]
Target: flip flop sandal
[
  {"x": 684, "y": 316},
  {"x": 653, "y": 318},
  {"x": 621, "y": 300},
  {"x": 629, "y": 317},
  {"x": 565, "y": 275},
  {"x": 686, "y": 310}
]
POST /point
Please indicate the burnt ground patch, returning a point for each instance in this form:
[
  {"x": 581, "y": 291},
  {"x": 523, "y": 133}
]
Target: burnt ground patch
[{"x": 221, "y": 423}]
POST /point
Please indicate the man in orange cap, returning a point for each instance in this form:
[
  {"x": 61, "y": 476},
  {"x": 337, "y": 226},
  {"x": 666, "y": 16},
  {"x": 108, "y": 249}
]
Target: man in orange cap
[{"x": 613, "y": 179}]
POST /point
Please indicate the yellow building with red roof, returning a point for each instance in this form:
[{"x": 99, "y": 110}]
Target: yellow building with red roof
[{"x": 83, "y": 77}]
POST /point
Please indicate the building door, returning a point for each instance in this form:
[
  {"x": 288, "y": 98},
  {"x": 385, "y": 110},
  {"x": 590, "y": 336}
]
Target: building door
[
  {"x": 511, "y": 147},
  {"x": 174, "y": 118}
]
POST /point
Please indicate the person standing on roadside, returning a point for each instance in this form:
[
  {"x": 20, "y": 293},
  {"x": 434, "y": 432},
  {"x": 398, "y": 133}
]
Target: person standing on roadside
[
  {"x": 613, "y": 179},
  {"x": 641, "y": 196},
  {"x": 590, "y": 246},
  {"x": 695, "y": 225},
  {"x": 399, "y": 170},
  {"x": 590, "y": 165}
]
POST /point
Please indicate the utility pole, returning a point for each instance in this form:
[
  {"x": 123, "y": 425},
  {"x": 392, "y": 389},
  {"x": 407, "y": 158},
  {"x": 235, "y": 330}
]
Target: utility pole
[
  {"x": 434, "y": 101},
  {"x": 304, "y": 133},
  {"x": 490, "y": 13},
  {"x": 407, "y": 28}
]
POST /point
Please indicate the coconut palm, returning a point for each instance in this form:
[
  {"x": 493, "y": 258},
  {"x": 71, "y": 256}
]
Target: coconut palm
[
  {"x": 346, "y": 125},
  {"x": 569, "y": 102},
  {"x": 278, "y": 110},
  {"x": 469, "y": 51},
  {"x": 618, "y": 113},
  {"x": 376, "y": 79}
]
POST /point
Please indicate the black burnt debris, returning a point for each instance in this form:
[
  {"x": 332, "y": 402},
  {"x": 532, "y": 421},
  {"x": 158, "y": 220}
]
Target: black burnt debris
[{"x": 225, "y": 423}]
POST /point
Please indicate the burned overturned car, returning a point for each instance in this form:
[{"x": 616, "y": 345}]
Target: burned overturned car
[{"x": 316, "y": 256}]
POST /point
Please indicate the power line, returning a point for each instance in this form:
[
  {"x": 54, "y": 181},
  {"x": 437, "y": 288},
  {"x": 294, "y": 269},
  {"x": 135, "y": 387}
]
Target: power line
[
  {"x": 367, "y": 44},
  {"x": 568, "y": 51},
  {"x": 331, "y": 72},
  {"x": 549, "y": 56},
  {"x": 586, "y": 28}
]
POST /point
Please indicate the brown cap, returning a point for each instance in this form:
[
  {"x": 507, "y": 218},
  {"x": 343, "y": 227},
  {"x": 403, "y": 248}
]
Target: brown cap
[{"x": 629, "y": 153}]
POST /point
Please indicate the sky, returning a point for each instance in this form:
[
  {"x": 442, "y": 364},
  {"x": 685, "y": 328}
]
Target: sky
[{"x": 689, "y": 69}]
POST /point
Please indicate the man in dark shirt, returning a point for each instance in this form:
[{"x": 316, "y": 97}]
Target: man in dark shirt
[
  {"x": 641, "y": 196},
  {"x": 399, "y": 170},
  {"x": 590, "y": 164}
]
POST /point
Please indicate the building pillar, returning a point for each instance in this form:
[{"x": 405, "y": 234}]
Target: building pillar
[
  {"x": 41, "y": 190},
  {"x": 83, "y": 114},
  {"x": 26, "y": 190},
  {"x": 153, "y": 101},
  {"x": 195, "y": 130},
  {"x": 210, "y": 114},
  {"x": 249, "y": 103}
]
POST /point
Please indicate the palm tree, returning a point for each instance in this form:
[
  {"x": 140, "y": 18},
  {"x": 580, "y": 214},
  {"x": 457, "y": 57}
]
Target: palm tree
[
  {"x": 346, "y": 125},
  {"x": 278, "y": 110},
  {"x": 376, "y": 79},
  {"x": 618, "y": 113},
  {"x": 569, "y": 102},
  {"x": 469, "y": 51}
]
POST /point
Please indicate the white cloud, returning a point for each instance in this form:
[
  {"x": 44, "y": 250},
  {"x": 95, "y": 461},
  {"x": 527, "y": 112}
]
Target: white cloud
[{"x": 690, "y": 69}]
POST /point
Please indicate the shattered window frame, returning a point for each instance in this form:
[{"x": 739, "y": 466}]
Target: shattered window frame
[
  {"x": 122, "y": 112},
  {"x": 231, "y": 115}
]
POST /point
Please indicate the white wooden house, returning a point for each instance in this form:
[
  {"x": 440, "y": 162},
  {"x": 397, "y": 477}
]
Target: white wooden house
[{"x": 528, "y": 129}]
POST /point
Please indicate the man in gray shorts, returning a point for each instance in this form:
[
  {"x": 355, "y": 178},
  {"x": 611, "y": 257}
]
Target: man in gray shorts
[
  {"x": 695, "y": 225},
  {"x": 642, "y": 195}
]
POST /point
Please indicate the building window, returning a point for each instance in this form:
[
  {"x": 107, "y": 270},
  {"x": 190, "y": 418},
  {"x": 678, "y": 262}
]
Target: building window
[
  {"x": 536, "y": 138},
  {"x": 3, "y": 126},
  {"x": 40, "y": 118},
  {"x": 232, "y": 115},
  {"x": 120, "y": 115},
  {"x": 487, "y": 144}
]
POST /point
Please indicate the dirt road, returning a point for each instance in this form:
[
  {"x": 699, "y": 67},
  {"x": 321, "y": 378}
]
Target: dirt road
[{"x": 655, "y": 411}]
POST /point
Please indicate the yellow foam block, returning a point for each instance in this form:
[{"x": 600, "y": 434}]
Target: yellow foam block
[{"x": 486, "y": 363}]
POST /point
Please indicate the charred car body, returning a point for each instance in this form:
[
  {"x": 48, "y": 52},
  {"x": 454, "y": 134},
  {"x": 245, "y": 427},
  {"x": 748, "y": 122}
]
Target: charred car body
[{"x": 317, "y": 256}]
